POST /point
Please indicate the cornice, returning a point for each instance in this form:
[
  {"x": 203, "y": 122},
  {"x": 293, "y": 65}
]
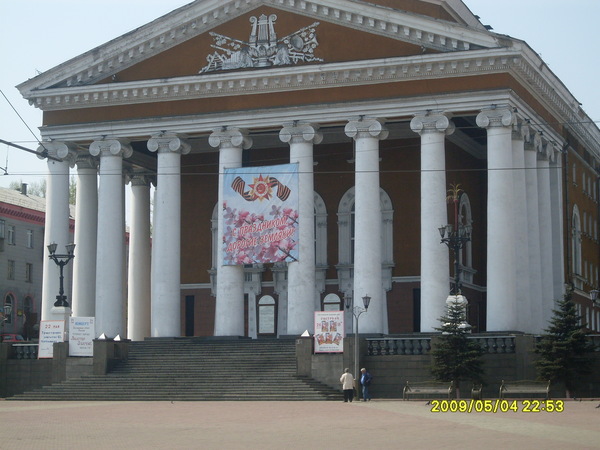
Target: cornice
[
  {"x": 199, "y": 17},
  {"x": 354, "y": 73}
]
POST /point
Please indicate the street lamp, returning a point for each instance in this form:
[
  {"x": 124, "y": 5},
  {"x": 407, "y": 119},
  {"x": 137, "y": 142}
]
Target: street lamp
[
  {"x": 356, "y": 312},
  {"x": 61, "y": 261},
  {"x": 594, "y": 297},
  {"x": 455, "y": 237}
]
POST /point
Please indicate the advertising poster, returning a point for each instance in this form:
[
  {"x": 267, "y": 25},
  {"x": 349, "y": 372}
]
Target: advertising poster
[
  {"x": 260, "y": 215},
  {"x": 51, "y": 331},
  {"x": 81, "y": 336},
  {"x": 329, "y": 332}
]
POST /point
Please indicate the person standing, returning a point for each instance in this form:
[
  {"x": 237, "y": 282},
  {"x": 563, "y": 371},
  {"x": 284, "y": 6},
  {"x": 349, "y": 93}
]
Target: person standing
[
  {"x": 347, "y": 381},
  {"x": 365, "y": 382}
]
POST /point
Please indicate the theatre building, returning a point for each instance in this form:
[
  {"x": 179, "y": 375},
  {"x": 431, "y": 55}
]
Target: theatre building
[{"x": 382, "y": 108}]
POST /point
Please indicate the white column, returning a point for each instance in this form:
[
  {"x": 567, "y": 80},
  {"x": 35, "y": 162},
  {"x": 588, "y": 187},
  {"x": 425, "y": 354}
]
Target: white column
[
  {"x": 166, "y": 242},
  {"x": 521, "y": 237},
  {"x": 111, "y": 237},
  {"x": 367, "y": 132},
  {"x": 56, "y": 223},
  {"x": 501, "y": 290},
  {"x": 533, "y": 242},
  {"x": 433, "y": 128},
  {"x": 545, "y": 211},
  {"x": 229, "y": 308},
  {"x": 139, "y": 288},
  {"x": 301, "y": 273},
  {"x": 86, "y": 227},
  {"x": 556, "y": 195}
]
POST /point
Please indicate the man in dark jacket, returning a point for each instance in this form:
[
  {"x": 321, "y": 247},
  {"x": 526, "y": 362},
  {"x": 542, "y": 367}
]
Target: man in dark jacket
[{"x": 365, "y": 382}]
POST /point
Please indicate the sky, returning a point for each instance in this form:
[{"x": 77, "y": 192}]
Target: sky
[{"x": 37, "y": 35}]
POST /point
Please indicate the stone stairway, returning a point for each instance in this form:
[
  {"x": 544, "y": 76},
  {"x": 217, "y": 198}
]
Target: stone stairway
[{"x": 194, "y": 370}]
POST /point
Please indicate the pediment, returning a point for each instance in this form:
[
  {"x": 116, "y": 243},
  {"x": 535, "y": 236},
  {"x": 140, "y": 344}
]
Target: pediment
[{"x": 178, "y": 44}]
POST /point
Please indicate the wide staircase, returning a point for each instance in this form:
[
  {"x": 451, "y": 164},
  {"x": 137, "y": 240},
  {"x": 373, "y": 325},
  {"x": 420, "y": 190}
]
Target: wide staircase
[{"x": 194, "y": 370}]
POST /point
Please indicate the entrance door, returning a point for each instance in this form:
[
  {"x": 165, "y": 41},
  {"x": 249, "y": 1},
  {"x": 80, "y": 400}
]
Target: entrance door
[
  {"x": 267, "y": 316},
  {"x": 189, "y": 315}
]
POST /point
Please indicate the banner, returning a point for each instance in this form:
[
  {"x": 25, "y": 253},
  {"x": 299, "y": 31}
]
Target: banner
[
  {"x": 51, "y": 331},
  {"x": 260, "y": 215},
  {"x": 81, "y": 336},
  {"x": 329, "y": 331}
]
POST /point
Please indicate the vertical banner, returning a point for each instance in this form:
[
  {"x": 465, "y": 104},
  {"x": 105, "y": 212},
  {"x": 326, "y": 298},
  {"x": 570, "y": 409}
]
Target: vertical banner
[
  {"x": 81, "y": 336},
  {"x": 260, "y": 215},
  {"x": 329, "y": 331},
  {"x": 51, "y": 331}
]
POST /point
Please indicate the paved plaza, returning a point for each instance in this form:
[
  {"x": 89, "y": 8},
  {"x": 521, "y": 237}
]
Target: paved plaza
[{"x": 379, "y": 424}]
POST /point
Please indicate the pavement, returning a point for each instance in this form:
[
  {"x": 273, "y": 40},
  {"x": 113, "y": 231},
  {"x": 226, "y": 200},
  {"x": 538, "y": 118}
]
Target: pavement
[{"x": 378, "y": 424}]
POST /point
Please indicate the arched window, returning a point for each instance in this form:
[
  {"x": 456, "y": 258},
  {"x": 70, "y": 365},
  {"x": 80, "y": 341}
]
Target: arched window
[
  {"x": 346, "y": 239},
  {"x": 9, "y": 303},
  {"x": 576, "y": 241},
  {"x": 466, "y": 256},
  {"x": 332, "y": 302}
]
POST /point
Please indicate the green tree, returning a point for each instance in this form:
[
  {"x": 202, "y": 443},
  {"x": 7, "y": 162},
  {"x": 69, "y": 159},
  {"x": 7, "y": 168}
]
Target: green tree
[
  {"x": 562, "y": 350},
  {"x": 456, "y": 357}
]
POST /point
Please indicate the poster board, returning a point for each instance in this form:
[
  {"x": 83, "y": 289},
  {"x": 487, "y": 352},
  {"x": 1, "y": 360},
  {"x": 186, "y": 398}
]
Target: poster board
[
  {"x": 260, "y": 215},
  {"x": 51, "y": 331},
  {"x": 81, "y": 336},
  {"x": 329, "y": 332}
]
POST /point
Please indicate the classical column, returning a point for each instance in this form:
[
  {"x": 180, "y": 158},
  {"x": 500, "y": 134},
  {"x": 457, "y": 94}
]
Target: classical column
[
  {"x": 521, "y": 237},
  {"x": 367, "y": 132},
  {"x": 535, "y": 315},
  {"x": 545, "y": 210},
  {"x": 433, "y": 127},
  {"x": 139, "y": 288},
  {"x": 556, "y": 195},
  {"x": 61, "y": 156},
  {"x": 301, "y": 273},
  {"x": 86, "y": 227},
  {"x": 111, "y": 237},
  {"x": 501, "y": 290},
  {"x": 166, "y": 242},
  {"x": 229, "y": 309}
]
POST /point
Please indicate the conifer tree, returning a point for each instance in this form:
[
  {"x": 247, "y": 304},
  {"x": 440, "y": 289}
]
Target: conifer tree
[
  {"x": 456, "y": 357},
  {"x": 562, "y": 350}
]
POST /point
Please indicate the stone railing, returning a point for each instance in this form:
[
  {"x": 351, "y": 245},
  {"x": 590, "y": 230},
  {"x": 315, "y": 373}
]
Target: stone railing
[{"x": 422, "y": 345}]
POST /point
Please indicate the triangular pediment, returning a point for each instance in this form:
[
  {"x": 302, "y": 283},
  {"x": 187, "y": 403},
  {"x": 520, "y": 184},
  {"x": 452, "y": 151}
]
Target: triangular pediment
[{"x": 178, "y": 44}]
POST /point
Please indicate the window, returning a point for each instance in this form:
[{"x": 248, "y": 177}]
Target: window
[
  {"x": 8, "y": 308},
  {"x": 28, "y": 272},
  {"x": 2, "y": 228},
  {"x": 574, "y": 174},
  {"x": 29, "y": 238},
  {"x": 10, "y": 275},
  {"x": 332, "y": 302},
  {"x": 266, "y": 315},
  {"x": 576, "y": 242},
  {"x": 10, "y": 234}
]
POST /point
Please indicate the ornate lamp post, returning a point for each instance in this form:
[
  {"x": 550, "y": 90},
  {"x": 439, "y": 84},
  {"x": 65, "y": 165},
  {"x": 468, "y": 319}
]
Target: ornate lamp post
[
  {"x": 356, "y": 312},
  {"x": 61, "y": 261},
  {"x": 594, "y": 297},
  {"x": 456, "y": 236}
]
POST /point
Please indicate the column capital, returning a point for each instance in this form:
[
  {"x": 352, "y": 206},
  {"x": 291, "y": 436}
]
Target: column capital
[
  {"x": 168, "y": 143},
  {"x": 226, "y": 137},
  {"x": 298, "y": 132},
  {"x": 521, "y": 130},
  {"x": 139, "y": 178},
  {"x": 432, "y": 122},
  {"x": 86, "y": 161},
  {"x": 64, "y": 151},
  {"x": 496, "y": 116},
  {"x": 108, "y": 147},
  {"x": 361, "y": 127}
]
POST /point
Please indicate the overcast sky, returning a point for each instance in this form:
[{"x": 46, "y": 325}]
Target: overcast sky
[{"x": 37, "y": 35}]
